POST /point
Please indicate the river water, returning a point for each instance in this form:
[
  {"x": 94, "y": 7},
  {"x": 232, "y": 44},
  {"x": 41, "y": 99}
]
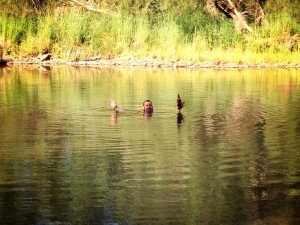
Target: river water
[{"x": 232, "y": 157}]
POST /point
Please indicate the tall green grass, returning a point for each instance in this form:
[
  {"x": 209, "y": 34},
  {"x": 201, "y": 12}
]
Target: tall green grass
[
  {"x": 12, "y": 32},
  {"x": 75, "y": 34}
]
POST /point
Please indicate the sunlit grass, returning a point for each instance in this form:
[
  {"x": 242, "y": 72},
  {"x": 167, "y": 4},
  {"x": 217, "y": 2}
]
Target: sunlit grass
[
  {"x": 12, "y": 32},
  {"x": 74, "y": 34}
]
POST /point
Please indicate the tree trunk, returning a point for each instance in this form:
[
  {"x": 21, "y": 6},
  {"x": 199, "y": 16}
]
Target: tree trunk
[
  {"x": 229, "y": 9},
  {"x": 259, "y": 13}
]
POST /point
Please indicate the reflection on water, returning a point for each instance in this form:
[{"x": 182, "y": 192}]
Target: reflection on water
[{"x": 231, "y": 156}]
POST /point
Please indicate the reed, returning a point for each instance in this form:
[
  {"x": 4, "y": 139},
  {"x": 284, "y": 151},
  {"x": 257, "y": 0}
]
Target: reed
[{"x": 12, "y": 32}]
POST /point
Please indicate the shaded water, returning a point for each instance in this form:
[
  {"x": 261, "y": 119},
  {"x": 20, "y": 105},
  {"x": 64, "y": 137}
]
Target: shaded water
[{"x": 67, "y": 158}]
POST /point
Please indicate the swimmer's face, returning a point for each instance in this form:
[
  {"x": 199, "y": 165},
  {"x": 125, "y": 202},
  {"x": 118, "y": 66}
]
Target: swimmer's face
[{"x": 148, "y": 106}]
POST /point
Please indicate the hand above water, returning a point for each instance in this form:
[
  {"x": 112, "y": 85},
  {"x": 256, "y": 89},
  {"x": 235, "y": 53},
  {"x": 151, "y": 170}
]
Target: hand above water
[{"x": 112, "y": 103}]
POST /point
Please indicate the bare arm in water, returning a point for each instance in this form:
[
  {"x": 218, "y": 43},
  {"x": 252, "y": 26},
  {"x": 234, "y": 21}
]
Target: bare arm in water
[{"x": 114, "y": 105}]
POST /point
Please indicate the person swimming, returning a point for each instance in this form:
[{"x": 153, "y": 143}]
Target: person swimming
[{"x": 148, "y": 108}]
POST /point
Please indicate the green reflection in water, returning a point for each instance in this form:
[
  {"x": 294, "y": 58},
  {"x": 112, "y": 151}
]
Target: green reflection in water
[{"x": 67, "y": 158}]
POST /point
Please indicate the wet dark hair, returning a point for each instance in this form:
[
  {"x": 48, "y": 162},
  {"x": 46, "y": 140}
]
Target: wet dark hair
[{"x": 147, "y": 101}]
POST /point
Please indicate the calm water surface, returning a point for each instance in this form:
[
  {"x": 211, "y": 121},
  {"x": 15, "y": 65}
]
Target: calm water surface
[{"x": 67, "y": 158}]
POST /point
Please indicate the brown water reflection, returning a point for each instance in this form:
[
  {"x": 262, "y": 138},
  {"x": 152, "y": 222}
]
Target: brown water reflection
[{"x": 231, "y": 157}]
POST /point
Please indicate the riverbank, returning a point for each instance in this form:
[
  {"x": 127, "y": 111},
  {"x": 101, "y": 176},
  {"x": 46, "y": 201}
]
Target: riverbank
[
  {"x": 193, "y": 39},
  {"x": 150, "y": 62}
]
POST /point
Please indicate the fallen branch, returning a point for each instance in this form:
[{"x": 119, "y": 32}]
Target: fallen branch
[
  {"x": 227, "y": 7},
  {"x": 92, "y": 8}
]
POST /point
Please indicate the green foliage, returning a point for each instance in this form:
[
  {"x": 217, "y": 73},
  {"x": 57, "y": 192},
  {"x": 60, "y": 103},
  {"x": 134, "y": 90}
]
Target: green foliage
[
  {"x": 276, "y": 36},
  {"x": 165, "y": 29},
  {"x": 12, "y": 32}
]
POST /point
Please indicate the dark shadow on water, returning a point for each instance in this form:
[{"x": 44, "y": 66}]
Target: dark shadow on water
[{"x": 180, "y": 118}]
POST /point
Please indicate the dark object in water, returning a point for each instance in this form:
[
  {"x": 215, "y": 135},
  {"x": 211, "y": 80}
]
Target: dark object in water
[
  {"x": 179, "y": 118},
  {"x": 180, "y": 103},
  {"x": 3, "y": 62}
]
